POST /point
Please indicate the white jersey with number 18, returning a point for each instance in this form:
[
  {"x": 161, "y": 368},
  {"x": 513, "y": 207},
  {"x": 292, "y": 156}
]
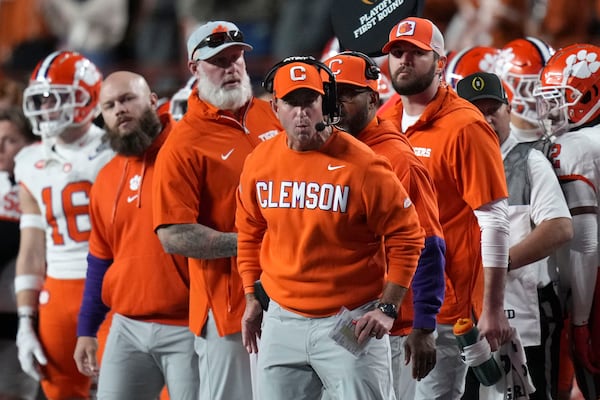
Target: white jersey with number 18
[{"x": 59, "y": 177}]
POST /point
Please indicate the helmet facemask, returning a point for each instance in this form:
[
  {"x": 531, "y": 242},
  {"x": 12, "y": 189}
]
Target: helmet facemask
[
  {"x": 520, "y": 92},
  {"x": 553, "y": 109},
  {"x": 53, "y": 108}
]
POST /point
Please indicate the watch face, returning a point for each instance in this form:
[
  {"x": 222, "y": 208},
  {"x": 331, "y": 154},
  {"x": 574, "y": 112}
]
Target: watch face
[{"x": 388, "y": 309}]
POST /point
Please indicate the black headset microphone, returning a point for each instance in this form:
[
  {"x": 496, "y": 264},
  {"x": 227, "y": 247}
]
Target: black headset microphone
[{"x": 320, "y": 126}]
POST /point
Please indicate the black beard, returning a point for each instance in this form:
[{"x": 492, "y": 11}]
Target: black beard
[
  {"x": 416, "y": 86},
  {"x": 135, "y": 142},
  {"x": 355, "y": 124}
]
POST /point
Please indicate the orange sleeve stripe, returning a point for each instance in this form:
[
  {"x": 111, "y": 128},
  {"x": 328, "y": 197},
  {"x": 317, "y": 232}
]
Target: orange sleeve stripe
[{"x": 570, "y": 178}]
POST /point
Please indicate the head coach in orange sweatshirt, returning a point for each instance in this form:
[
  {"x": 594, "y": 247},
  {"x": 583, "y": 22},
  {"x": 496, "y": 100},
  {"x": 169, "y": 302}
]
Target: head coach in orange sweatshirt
[{"x": 315, "y": 207}]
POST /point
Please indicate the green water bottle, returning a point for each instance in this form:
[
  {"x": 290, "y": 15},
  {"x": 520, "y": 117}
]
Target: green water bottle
[{"x": 466, "y": 333}]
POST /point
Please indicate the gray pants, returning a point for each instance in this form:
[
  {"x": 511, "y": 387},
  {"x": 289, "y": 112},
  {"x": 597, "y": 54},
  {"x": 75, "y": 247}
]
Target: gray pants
[
  {"x": 224, "y": 365},
  {"x": 404, "y": 383},
  {"x": 447, "y": 380},
  {"x": 141, "y": 357},
  {"x": 297, "y": 360}
]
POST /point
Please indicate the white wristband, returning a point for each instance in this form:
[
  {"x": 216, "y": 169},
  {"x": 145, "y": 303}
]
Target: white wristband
[
  {"x": 26, "y": 312},
  {"x": 28, "y": 282},
  {"x": 32, "y": 221}
]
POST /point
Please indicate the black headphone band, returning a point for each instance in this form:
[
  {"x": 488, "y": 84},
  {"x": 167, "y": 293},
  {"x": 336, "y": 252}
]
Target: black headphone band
[
  {"x": 372, "y": 70},
  {"x": 330, "y": 106}
]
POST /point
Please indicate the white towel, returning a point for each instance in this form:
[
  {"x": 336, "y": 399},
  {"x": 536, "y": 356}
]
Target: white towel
[{"x": 516, "y": 383}]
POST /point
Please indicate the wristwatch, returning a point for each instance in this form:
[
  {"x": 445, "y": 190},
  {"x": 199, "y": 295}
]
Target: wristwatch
[{"x": 389, "y": 309}]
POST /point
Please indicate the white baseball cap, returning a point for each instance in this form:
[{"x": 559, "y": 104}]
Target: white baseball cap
[{"x": 212, "y": 38}]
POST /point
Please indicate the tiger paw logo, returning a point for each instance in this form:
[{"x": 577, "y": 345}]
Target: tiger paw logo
[
  {"x": 581, "y": 65},
  {"x": 407, "y": 28},
  {"x": 488, "y": 63},
  {"x": 220, "y": 28},
  {"x": 134, "y": 183},
  {"x": 86, "y": 71},
  {"x": 504, "y": 61}
]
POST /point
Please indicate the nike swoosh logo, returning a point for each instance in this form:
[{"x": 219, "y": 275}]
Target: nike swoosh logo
[
  {"x": 226, "y": 155},
  {"x": 334, "y": 167},
  {"x": 132, "y": 198}
]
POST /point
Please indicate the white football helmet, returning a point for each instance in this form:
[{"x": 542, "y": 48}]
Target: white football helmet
[{"x": 178, "y": 103}]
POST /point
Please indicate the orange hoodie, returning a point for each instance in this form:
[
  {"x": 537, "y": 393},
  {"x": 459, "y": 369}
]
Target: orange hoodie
[
  {"x": 197, "y": 174},
  {"x": 462, "y": 154},
  {"x": 143, "y": 282},
  {"x": 311, "y": 225}
]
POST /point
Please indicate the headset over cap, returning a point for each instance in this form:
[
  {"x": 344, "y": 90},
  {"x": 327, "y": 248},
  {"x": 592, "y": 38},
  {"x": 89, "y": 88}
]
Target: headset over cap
[
  {"x": 354, "y": 68},
  {"x": 296, "y": 75}
]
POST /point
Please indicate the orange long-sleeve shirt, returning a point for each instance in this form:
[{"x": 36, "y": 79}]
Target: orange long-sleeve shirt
[
  {"x": 385, "y": 139},
  {"x": 310, "y": 225}
]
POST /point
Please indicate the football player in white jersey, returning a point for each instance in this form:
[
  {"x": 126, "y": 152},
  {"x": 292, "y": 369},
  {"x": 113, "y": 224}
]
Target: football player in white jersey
[
  {"x": 540, "y": 223},
  {"x": 55, "y": 177},
  {"x": 568, "y": 102}
]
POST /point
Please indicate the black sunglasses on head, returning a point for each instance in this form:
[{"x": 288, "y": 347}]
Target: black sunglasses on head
[{"x": 218, "y": 38}]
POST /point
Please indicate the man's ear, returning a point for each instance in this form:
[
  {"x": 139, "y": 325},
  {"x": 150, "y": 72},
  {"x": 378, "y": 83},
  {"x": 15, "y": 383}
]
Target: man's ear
[
  {"x": 274, "y": 106},
  {"x": 441, "y": 64},
  {"x": 374, "y": 99},
  {"x": 154, "y": 100},
  {"x": 193, "y": 67}
]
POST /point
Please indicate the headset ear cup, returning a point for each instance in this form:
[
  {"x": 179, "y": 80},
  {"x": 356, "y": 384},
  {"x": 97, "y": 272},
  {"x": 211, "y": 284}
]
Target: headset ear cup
[
  {"x": 330, "y": 105},
  {"x": 267, "y": 83},
  {"x": 372, "y": 72},
  {"x": 326, "y": 97}
]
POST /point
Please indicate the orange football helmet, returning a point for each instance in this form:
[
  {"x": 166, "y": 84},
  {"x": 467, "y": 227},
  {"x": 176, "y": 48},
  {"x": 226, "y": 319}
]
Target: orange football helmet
[
  {"x": 63, "y": 91},
  {"x": 468, "y": 61},
  {"x": 518, "y": 65},
  {"x": 569, "y": 91}
]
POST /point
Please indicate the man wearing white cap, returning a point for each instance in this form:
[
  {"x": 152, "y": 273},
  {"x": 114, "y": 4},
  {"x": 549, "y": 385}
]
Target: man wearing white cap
[
  {"x": 196, "y": 177},
  {"x": 312, "y": 228},
  {"x": 461, "y": 152}
]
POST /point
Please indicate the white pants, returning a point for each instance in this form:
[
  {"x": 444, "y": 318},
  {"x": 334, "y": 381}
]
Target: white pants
[
  {"x": 447, "y": 380},
  {"x": 224, "y": 365},
  {"x": 297, "y": 360},
  {"x": 404, "y": 383},
  {"x": 141, "y": 357}
]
